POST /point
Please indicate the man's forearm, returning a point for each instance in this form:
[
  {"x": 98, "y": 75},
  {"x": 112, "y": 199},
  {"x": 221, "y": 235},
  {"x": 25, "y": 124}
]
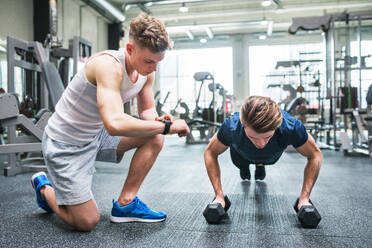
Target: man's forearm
[
  {"x": 311, "y": 173},
  {"x": 129, "y": 126},
  {"x": 213, "y": 170}
]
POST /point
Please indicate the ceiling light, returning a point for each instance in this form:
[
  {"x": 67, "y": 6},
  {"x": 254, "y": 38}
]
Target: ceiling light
[
  {"x": 183, "y": 8},
  {"x": 2, "y": 49},
  {"x": 266, "y": 3},
  {"x": 148, "y": 4},
  {"x": 203, "y": 40},
  {"x": 262, "y": 37},
  {"x": 264, "y": 22}
]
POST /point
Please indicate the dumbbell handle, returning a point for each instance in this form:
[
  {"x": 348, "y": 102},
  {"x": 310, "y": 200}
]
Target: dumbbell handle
[
  {"x": 227, "y": 203},
  {"x": 296, "y": 204}
]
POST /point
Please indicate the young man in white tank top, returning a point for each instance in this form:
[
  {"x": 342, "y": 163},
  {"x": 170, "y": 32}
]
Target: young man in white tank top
[{"x": 89, "y": 124}]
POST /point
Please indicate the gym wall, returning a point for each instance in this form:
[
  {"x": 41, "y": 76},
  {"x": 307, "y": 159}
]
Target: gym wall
[
  {"x": 16, "y": 19},
  {"x": 77, "y": 19},
  {"x": 74, "y": 19}
]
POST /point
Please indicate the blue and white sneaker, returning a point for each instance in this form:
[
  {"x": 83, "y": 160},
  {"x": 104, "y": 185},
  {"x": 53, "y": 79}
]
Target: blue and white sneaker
[
  {"x": 39, "y": 180},
  {"x": 136, "y": 211}
]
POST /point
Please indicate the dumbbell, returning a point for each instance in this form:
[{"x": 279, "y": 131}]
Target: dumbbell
[
  {"x": 308, "y": 215},
  {"x": 214, "y": 212}
]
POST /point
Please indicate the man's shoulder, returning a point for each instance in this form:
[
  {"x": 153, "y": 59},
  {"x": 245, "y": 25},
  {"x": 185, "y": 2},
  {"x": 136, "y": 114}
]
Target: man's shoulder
[
  {"x": 106, "y": 64},
  {"x": 288, "y": 122}
]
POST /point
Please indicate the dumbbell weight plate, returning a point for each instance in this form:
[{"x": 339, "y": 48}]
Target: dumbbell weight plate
[
  {"x": 227, "y": 203},
  {"x": 213, "y": 213},
  {"x": 308, "y": 216}
]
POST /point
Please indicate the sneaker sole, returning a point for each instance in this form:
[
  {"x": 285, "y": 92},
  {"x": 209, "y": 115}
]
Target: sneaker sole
[
  {"x": 35, "y": 176},
  {"x": 132, "y": 219}
]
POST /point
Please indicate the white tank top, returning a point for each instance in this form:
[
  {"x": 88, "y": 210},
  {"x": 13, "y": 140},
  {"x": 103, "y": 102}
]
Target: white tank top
[{"x": 76, "y": 119}]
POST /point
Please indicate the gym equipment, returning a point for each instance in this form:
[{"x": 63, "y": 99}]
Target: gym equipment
[
  {"x": 208, "y": 114},
  {"x": 27, "y": 142},
  {"x": 205, "y": 121},
  {"x": 349, "y": 98},
  {"x": 160, "y": 105},
  {"x": 360, "y": 144},
  {"x": 310, "y": 23},
  {"x": 308, "y": 215},
  {"x": 202, "y": 77},
  {"x": 22, "y": 136},
  {"x": 301, "y": 78},
  {"x": 69, "y": 60},
  {"x": 292, "y": 95},
  {"x": 173, "y": 112},
  {"x": 206, "y": 131},
  {"x": 368, "y": 119},
  {"x": 340, "y": 31},
  {"x": 186, "y": 114},
  {"x": 214, "y": 212}
]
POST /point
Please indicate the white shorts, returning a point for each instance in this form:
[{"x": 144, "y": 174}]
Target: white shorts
[{"x": 71, "y": 167}]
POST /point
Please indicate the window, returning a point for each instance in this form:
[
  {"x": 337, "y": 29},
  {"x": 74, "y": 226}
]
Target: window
[{"x": 179, "y": 66}]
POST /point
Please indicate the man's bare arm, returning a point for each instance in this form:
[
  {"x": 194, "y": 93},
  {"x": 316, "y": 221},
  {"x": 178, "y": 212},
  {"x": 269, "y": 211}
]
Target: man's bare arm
[
  {"x": 108, "y": 74},
  {"x": 211, "y": 153},
  {"x": 314, "y": 162}
]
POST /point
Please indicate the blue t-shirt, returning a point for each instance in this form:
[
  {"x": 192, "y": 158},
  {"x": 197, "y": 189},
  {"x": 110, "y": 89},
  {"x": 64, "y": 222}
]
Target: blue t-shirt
[{"x": 290, "y": 132}]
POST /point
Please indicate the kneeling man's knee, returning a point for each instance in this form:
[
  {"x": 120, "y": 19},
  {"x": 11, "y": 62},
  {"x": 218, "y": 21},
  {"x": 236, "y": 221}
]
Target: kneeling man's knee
[{"x": 86, "y": 224}]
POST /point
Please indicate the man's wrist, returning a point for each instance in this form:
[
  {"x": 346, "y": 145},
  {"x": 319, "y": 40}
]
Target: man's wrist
[
  {"x": 304, "y": 196},
  {"x": 167, "y": 126},
  {"x": 219, "y": 195}
]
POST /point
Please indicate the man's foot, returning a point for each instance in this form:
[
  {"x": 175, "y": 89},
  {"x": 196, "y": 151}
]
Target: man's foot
[
  {"x": 245, "y": 174},
  {"x": 260, "y": 172},
  {"x": 38, "y": 181},
  {"x": 136, "y": 211}
]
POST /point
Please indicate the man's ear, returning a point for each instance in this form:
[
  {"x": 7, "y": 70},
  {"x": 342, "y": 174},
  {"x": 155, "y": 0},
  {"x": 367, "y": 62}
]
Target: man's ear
[{"x": 129, "y": 48}]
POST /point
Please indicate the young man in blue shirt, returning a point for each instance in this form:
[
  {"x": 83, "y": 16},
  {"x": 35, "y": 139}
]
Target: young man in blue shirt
[{"x": 258, "y": 135}]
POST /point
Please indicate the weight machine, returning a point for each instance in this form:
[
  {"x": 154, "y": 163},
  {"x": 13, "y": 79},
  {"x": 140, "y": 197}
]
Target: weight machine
[{"x": 22, "y": 136}]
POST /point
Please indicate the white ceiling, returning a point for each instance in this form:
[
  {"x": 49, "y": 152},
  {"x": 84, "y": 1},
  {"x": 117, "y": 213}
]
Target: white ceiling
[{"x": 234, "y": 16}]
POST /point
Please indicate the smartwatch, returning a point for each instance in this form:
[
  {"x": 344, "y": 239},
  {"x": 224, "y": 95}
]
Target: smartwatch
[{"x": 167, "y": 126}]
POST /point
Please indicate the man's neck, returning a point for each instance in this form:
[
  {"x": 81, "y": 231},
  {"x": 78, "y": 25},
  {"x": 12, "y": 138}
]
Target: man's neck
[{"x": 132, "y": 73}]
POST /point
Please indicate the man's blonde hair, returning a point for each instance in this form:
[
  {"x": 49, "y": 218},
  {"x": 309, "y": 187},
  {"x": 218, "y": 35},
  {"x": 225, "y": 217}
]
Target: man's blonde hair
[
  {"x": 261, "y": 114},
  {"x": 149, "y": 32}
]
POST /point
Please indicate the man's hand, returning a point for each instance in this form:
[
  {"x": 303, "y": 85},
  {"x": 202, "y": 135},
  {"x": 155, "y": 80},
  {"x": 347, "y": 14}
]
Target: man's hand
[
  {"x": 180, "y": 127},
  {"x": 221, "y": 200},
  {"x": 165, "y": 117},
  {"x": 302, "y": 202}
]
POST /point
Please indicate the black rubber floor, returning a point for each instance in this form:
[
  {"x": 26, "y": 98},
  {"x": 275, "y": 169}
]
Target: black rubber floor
[{"x": 261, "y": 214}]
